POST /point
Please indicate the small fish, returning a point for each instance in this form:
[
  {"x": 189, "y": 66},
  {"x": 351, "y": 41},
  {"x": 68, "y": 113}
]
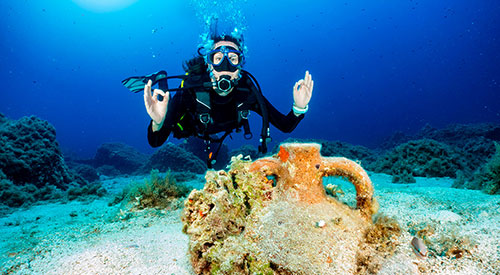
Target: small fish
[{"x": 419, "y": 248}]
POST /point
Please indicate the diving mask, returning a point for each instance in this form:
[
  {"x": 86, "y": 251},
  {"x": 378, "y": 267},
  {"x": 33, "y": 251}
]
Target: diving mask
[{"x": 225, "y": 59}]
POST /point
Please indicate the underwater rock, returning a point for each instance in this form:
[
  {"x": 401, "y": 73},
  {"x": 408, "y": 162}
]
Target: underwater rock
[
  {"x": 476, "y": 141},
  {"x": 173, "y": 157},
  {"x": 30, "y": 154},
  {"x": 472, "y": 144},
  {"x": 86, "y": 171},
  {"x": 487, "y": 178},
  {"x": 394, "y": 140},
  {"x": 32, "y": 167},
  {"x": 108, "y": 170},
  {"x": 123, "y": 157},
  {"x": 273, "y": 216},
  {"x": 420, "y": 158}
]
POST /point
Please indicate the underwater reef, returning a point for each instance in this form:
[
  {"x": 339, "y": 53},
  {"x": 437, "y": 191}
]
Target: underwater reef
[
  {"x": 486, "y": 178},
  {"x": 476, "y": 140},
  {"x": 471, "y": 144},
  {"x": 32, "y": 167},
  {"x": 120, "y": 156},
  {"x": 272, "y": 216},
  {"x": 88, "y": 172},
  {"x": 174, "y": 158},
  {"x": 421, "y": 158},
  {"x": 29, "y": 153}
]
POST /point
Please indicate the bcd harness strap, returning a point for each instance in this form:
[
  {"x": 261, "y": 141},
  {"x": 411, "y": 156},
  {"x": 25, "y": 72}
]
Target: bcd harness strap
[
  {"x": 203, "y": 108},
  {"x": 265, "y": 133}
]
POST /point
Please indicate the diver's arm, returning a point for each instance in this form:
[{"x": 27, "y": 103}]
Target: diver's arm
[
  {"x": 284, "y": 123},
  {"x": 302, "y": 93},
  {"x": 158, "y": 137}
]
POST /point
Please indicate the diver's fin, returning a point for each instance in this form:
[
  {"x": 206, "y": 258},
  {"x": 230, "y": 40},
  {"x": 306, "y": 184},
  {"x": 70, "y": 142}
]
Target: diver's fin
[{"x": 136, "y": 83}]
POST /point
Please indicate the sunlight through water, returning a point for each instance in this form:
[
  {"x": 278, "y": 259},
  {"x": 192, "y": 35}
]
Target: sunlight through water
[{"x": 104, "y": 5}]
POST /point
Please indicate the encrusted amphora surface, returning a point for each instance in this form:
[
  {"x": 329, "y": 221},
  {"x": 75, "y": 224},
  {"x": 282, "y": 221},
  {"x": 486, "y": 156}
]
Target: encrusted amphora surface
[{"x": 273, "y": 216}]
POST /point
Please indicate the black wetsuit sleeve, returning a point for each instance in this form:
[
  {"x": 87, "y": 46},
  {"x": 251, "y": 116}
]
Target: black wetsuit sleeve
[
  {"x": 159, "y": 137},
  {"x": 175, "y": 106},
  {"x": 284, "y": 123}
]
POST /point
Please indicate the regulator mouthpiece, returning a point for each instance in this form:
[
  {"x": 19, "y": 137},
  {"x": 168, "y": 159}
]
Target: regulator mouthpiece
[{"x": 224, "y": 84}]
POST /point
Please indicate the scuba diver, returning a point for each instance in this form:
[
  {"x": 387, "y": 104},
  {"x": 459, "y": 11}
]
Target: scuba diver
[{"x": 215, "y": 96}]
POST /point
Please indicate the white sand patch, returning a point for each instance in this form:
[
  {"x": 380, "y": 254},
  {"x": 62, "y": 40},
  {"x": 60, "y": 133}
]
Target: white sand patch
[
  {"x": 158, "y": 249},
  {"x": 444, "y": 216},
  {"x": 150, "y": 242},
  {"x": 90, "y": 238}
]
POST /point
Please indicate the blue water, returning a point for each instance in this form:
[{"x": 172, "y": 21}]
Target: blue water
[{"x": 378, "y": 66}]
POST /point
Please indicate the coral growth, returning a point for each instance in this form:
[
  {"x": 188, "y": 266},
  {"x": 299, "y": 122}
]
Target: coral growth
[
  {"x": 460, "y": 134},
  {"x": 12, "y": 195},
  {"x": 157, "y": 192},
  {"x": 422, "y": 158},
  {"x": 474, "y": 141},
  {"x": 243, "y": 222}
]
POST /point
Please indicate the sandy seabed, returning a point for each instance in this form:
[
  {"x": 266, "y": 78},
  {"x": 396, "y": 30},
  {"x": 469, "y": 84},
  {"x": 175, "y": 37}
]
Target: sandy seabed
[{"x": 94, "y": 238}]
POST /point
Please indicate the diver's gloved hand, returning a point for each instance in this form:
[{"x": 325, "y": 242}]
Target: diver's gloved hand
[
  {"x": 302, "y": 92},
  {"x": 157, "y": 109}
]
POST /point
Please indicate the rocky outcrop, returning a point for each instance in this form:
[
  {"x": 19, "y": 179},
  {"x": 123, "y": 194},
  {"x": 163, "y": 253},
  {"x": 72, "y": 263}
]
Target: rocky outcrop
[{"x": 122, "y": 157}]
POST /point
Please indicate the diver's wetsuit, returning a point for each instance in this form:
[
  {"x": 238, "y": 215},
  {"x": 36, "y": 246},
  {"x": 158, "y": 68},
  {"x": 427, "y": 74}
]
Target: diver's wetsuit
[{"x": 223, "y": 112}]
